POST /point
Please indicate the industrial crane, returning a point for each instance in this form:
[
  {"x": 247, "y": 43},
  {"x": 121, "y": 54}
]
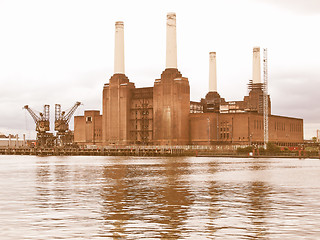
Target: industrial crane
[
  {"x": 61, "y": 124},
  {"x": 42, "y": 121}
]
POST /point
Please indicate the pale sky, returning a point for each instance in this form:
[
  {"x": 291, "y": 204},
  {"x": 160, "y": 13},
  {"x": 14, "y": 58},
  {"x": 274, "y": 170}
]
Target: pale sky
[{"x": 62, "y": 51}]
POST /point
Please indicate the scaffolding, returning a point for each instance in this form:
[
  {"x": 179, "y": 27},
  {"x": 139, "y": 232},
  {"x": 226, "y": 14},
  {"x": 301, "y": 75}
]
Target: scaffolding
[
  {"x": 265, "y": 98},
  {"x": 257, "y": 88},
  {"x": 141, "y": 131},
  {"x": 144, "y": 121}
]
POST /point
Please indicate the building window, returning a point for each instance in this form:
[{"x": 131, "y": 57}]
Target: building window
[{"x": 88, "y": 119}]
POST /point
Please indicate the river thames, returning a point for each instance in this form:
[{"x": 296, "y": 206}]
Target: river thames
[{"x": 82, "y": 197}]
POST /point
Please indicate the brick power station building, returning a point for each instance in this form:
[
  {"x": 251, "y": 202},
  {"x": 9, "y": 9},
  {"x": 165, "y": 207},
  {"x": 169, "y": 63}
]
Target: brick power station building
[{"x": 164, "y": 115}]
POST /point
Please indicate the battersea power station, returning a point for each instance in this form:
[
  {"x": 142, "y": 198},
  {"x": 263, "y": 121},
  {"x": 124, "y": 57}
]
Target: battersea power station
[{"x": 164, "y": 115}]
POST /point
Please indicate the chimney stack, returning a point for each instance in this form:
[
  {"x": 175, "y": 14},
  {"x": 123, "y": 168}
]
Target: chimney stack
[
  {"x": 171, "y": 57},
  {"x": 119, "y": 48},
  {"x": 212, "y": 72},
  {"x": 256, "y": 69}
]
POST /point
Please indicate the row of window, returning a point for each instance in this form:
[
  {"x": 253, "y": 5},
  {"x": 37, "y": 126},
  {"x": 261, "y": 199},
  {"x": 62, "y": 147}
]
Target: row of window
[
  {"x": 224, "y": 127},
  {"x": 142, "y": 127},
  {"x": 224, "y": 135},
  {"x": 196, "y": 108},
  {"x": 295, "y": 127},
  {"x": 142, "y": 113},
  {"x": 138, "y": 137},
  {"x": 144, "y": 103},
  {"x": 279, "y": 126},
  {"x": 258, "y": 124}
]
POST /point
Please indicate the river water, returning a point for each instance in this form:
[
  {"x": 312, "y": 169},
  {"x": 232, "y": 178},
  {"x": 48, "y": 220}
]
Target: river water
[{"x": 158, "y": 198}]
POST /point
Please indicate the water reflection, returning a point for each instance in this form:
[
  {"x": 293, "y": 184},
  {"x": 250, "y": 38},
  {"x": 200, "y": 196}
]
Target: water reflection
[
  {"x": 159, "y": 198},
  {"x": 115, "y": 199},
  {"x": 173, "y": 199},
  {"x": 259, "y": 203},
  {"x": 259, "y": 208},
  {"x": 43, "y": 180},
  {"x": 159, "y": 201},
  {"x": 214, "y": 210}
]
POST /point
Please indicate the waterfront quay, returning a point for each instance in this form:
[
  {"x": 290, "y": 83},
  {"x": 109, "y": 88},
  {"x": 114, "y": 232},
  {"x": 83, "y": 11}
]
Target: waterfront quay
[
  {"x": 165, "y": 151},
  {"x": 102, "y": 151}
]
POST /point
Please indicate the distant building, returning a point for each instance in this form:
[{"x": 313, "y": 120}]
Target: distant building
[
  {"x": 12, "y": 141},
  {"x": 3, "y": 136},
  {"x": 164, "y": 115}
]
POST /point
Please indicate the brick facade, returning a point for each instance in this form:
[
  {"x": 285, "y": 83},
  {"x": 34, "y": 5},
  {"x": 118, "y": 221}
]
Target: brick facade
[
  {"x": 171, "y": 108},
  {"x": 88, "y": 128},
  {"x": 164, "y": 115},
  {"x": 243, "y": 129}
]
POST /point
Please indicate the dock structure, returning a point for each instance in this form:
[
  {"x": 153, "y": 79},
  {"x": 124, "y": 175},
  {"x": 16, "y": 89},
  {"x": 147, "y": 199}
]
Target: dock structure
[
  {"x": 162, "y": 151},
  {"x": 110, "y": 151}
]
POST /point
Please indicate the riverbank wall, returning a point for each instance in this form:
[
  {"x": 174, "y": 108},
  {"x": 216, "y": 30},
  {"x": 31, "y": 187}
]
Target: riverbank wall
[{"x": 164, "y": 151}]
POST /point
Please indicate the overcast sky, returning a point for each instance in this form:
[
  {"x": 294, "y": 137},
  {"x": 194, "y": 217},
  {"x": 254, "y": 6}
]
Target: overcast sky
[{"x": 62, "y": 51}]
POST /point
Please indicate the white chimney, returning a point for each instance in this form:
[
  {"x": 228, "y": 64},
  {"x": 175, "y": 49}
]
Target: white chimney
[
  {"x": 212, "y": 72},
  {"x": 119, "y": 48},
  {"x": 256, "y": 69},
  {"x": 171, "y": 57}
]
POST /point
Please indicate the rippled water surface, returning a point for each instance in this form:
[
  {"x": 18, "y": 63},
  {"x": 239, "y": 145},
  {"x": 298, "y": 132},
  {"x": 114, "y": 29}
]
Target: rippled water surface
[{"x": 158, "y": 198}]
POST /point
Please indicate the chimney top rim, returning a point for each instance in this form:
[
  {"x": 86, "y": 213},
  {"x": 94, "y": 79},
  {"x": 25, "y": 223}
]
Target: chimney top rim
[{"x": 119, "y": 23}]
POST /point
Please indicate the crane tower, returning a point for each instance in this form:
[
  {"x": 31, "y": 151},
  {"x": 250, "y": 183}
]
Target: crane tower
[
  {"x": 265, "y": 98},
  {"x": 42, "y": 121},
  {"x": 61, "y": 124}
]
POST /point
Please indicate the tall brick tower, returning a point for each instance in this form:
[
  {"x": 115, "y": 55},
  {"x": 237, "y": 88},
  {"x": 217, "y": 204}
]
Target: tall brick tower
[
  {"x": 213, "y": 100},
  {"x": 254, "y": 102},
  {"x": 116, "y": 97},
  {"x": 171, "y": 97}
]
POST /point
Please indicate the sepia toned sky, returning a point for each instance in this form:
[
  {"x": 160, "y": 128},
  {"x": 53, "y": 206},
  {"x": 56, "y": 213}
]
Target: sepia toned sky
[{"x": 61, "y": 51}]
